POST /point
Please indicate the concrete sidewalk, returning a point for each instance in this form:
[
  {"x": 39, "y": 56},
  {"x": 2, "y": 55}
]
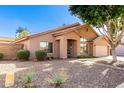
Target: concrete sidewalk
[{"x": 121, "y": 85}]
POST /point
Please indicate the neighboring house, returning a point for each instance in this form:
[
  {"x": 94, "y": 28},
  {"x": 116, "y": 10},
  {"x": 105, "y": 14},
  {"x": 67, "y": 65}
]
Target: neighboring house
[
  {"x": 6, "y": 40},
  {"x": 120, "y": 48},
  {"x": 67, "y": 41},
  {"x": 7, "y": 48}
]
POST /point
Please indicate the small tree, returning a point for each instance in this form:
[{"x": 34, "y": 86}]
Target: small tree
[
  {"x": 108, "y": 19},
  {"x": 22, "y": 32}
]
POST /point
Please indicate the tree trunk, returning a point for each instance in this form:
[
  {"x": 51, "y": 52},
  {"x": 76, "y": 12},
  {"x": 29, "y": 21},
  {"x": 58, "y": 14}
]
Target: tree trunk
[{"x": 114, "y": 56}]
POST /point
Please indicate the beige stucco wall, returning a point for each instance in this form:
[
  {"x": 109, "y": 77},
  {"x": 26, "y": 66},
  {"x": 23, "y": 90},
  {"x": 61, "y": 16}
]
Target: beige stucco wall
[
  {"x": 9, "y": 50},
  {"x": 35, "y": 43},
  {"x": 26, "y": 44},
  {"x": 87, "y": 33},
  {"x": 57, "y": 49},
  {"x": 101, "y": 42}
]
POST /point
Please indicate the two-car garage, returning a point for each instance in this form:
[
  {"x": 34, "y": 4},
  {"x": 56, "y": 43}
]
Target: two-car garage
[
  {"x": 101, "y": 47},
  {"x": 101, "y": 51}
]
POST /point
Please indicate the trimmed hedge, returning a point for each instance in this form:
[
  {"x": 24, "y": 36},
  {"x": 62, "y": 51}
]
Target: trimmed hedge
[
  {"x": 40, "y": 55},
  {"x": 23, "y": 54},
  {"x": 1, "y": 56}
]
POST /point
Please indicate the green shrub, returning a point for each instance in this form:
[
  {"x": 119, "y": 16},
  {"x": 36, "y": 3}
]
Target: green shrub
[
  {"x": 29, "y": 78},
  {"x": 23, "y": 54},
  {"x": 59, "y": 79},
  {"x": 29, "y": 81},
  {"x": 1, "y": 56},
  {"x": 40, "y": 55}
]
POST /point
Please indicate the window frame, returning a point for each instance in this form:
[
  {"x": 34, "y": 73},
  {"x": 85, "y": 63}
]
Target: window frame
[{"x": 48, "y": 50}]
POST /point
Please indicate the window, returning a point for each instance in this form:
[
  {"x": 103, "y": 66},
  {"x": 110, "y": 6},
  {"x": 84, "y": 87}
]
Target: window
[
  {"x": 83, "y": 45},
  {"x": 46, "y": 46},
  {"x": 83, "y": 40},
  {"x": 83, "y": 48}
]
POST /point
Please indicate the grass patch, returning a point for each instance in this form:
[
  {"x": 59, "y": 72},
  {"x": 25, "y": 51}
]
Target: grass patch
[{"x": 83, "y": 57}]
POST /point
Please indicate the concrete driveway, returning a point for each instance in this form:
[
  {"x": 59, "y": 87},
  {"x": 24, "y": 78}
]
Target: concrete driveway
[{"x": 109, "y": 58}]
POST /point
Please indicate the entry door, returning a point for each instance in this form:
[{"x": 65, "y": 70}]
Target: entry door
[{"x": 71, "y": 48}]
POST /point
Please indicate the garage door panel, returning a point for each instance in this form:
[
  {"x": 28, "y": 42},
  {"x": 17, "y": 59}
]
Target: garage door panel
[{"x": 101, "y": 51}]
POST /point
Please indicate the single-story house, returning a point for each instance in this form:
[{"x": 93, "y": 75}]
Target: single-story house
[
  {"x": 67, "y": 41},
  {"x": 120, "y": 48}
]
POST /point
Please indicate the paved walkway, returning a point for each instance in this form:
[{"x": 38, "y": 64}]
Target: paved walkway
[{"x": 109, "y": 58}]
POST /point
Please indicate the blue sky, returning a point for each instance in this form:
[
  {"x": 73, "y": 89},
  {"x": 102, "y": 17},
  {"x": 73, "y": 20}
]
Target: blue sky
[{"x": 35, "y": 18}]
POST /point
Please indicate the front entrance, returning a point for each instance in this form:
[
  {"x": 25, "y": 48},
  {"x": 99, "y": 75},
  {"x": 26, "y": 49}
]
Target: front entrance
[{"x": 71, "y": 48}]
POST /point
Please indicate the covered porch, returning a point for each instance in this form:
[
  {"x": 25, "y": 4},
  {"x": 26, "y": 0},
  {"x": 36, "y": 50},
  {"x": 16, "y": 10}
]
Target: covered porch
[{"x": 76, "y": 42}]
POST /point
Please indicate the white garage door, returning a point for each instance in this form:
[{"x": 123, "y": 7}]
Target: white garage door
[
  {"x": 120, "y": 50},
  {"x": 101, "y": 51}
]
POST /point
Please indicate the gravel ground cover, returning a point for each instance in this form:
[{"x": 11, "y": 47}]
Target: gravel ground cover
[{"x": 80, "y": 74}]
